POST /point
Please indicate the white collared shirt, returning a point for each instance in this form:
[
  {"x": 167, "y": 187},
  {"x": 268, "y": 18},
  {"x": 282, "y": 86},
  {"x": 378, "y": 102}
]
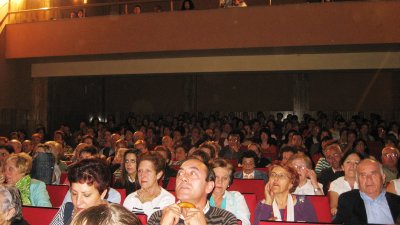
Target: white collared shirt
[{"x": 248, "y": 175}]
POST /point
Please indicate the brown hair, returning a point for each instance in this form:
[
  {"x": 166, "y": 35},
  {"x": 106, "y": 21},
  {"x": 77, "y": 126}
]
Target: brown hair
[
  {"x": 219, "y": 162},
  {"x": 92, "y": 172},
  {"x": 154, "y": 157}
]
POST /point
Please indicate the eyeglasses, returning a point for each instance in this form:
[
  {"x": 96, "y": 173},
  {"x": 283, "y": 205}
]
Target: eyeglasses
[
  {"x": 280, "y": 176},
  {"x": 300, "y": 167},
  {"x": 393, "y": 155}
]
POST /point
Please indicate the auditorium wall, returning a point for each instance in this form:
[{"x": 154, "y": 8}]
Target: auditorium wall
[{"x": 74, "y": 98}]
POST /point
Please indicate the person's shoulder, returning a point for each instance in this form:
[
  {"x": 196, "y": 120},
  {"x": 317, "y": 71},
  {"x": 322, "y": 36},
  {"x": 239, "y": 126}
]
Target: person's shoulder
[
  {"x": 131, "y": 198},
  {"x": 260, "y": 173},
  {"x": 393, "y": 196},
  {"x": 155, "y": 218},
  {"x": 355, "y": 193},
  {"x": 219, "y": 214},
  {"x": 166, "y": 193},
  {"x": 237, "y": 174},
  {"x": 37, "y": 182}
]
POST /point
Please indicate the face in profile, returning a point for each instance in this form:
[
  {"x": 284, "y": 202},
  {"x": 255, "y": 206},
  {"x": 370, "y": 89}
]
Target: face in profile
[{"x": 12, "y": 173}]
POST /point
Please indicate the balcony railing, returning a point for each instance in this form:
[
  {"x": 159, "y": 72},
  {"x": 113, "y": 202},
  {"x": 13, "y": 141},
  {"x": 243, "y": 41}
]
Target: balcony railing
[{"x": 22, "y": 11}]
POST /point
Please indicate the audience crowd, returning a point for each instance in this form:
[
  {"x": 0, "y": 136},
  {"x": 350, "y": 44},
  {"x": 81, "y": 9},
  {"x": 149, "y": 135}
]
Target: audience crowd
[{"x": 353, "y": 162}]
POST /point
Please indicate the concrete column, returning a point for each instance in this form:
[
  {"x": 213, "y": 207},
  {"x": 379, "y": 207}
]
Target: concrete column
[
  {"x": 301, "y": 93},
  {"x": 39, "y": 109}
]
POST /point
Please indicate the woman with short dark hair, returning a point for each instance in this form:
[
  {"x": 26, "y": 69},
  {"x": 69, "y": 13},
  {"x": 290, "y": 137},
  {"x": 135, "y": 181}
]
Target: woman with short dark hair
[{"x": 90, "y": 180}]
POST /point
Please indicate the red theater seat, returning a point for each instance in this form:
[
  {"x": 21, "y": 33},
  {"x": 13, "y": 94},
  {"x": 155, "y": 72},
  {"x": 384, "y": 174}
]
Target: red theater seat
[
  {"x": 322, "y": 208},
  {"x": 64, "y": 178},
  {"x": 171, "y": 184},
  {"x": 288, "y": 223},
  {"x": 122, "y": 192},
  {"x": 251, "y": 201},
  {"x": 57, "y": 193},
  {"x": 38, "y": 215},
  {"x": 248, "y": 186},
  {"x": 142, "y": 218}
]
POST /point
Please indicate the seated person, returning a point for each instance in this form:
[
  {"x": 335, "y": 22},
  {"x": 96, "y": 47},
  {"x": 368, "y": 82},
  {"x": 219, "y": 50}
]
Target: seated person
[
  {"x": 11, "y": 206},
  {"x": 308, "y": 184},
  {"x": 231, "y": 201},
  {"x": 90, "y": 179},
  {"x": 390, "y": 158},
  {"x": 262, "y": 161},
  {"x": 371, "y": 203},
  {"x": 333, "y": 155},
  {"x": 128, "y": 173},
  {"x": 16, "y": 171},
  {"x": 195, "y": 181},
  {"x": 233, "y": 151},
  {"x": 279, "y": 203},
  {"x": 151, "y": 196},
  {"x": 110, "y": 214},
  {"x": 168, "y": 171},
  {"x": 394, "y": 186},
  {"x": 181, "y": 153},
  {"x": 347, "y": 182},
  {"x": 248, "y": 161}
]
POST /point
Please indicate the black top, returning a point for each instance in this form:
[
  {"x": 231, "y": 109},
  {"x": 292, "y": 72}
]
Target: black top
[{"x": 130, "y": 187}]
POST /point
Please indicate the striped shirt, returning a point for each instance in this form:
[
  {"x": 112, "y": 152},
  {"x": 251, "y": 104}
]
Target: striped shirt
[{"x": 214, "y": 216}]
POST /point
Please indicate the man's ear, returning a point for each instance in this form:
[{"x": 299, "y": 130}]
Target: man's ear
[{"x": 210, "y": 186}]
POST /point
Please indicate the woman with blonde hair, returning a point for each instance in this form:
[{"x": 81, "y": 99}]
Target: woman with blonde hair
[
  {"x": 105, "y": 214},
  {"x": 16, "y": 170}
]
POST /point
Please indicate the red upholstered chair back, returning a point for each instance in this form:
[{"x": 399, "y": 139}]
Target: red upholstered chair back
[
  {"x": 142, "y": 218},
  {"x": 171, "y": 184},
  {"x": 57, "y": 194},
  {"x": 321, "y": 207},
  {"x": 64, "y": 178},
  {"x": 248, "y": 186},
  {"x": 251, "y": 201},
  {"x": 38, "y": 215},
  {"x": 122, "y": 192}
]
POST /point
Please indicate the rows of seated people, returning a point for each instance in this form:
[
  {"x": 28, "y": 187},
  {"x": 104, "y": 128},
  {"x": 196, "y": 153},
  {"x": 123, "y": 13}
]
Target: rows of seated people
[
  {"x": 136, "y": 8},
  {"x": 291, "y": 161}
]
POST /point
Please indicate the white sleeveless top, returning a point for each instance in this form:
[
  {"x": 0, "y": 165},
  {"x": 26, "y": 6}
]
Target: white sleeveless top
[{"x": 396, "y": 183}]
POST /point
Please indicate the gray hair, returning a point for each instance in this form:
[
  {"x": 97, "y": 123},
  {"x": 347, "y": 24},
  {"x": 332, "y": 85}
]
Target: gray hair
[
  {"x": 11, "y": 199},
  {"x": 373, "y": 161}
]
